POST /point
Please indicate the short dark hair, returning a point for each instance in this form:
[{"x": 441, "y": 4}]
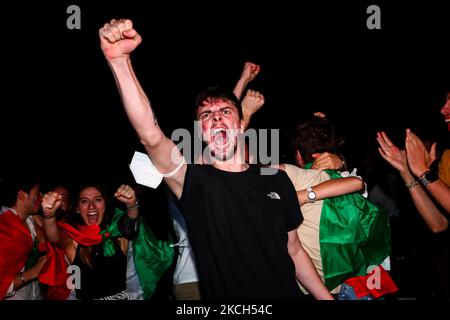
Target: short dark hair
[
  {"x": 212, "y": 94},
  {"x": 315, "y": 135},
  {"x": 12, "y": 183}
]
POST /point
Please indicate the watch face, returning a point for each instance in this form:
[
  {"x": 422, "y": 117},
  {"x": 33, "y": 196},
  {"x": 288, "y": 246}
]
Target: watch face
[
  {"x": 311, "y": 195},
  {"x": 429, "y": 177}
]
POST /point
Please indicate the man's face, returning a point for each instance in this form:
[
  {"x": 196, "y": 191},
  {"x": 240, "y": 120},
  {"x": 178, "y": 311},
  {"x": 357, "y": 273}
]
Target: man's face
[
  {"x": 33, "y": 199},
  {"x": 446, "y": 111},
  {"x": 220, "y": 127}
]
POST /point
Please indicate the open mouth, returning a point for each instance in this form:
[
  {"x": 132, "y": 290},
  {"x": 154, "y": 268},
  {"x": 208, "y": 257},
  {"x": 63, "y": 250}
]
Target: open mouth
[
  {"x": 92, "y": 217},
  {"x": 219, "y": 137}
]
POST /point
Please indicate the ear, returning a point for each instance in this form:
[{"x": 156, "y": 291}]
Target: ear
[
  {"x": 21, "y": 195},
  {"x": 299, "y": 159}
]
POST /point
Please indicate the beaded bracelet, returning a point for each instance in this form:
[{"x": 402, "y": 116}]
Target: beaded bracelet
[
  {"x": 134, "y": 206},
  {"x": 412, "y": 184},
  {"x": 48, "y": 217}
]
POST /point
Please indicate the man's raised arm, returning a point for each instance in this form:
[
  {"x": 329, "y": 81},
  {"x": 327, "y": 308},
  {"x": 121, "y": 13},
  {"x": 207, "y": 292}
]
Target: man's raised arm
[{"x": 118, "y": 39}]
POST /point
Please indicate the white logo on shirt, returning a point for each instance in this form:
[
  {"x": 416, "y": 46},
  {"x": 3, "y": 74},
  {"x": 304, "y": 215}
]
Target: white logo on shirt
[{"x": 273, "y": 195}]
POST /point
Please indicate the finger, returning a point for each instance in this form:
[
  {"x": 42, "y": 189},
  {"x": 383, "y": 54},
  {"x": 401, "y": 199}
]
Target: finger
[
  {"x": 107, "y": 35},
  {"x": 386, "y": 139},
  {"x": 130, "y": 33},
  {"x": 316, "y": 155},
  {"x": 385, "y": 157},
  {"x": 261, "y": 96},
  {"x": 127, "y": 23},
  {"x": 382, "y": 142},
  {"x": 117, "y": 34}
]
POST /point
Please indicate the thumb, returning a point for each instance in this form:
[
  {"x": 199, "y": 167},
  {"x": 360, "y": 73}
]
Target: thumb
[
  {"x": 433, "y": 152},
  {"x": 130, "y": 33},
  {"x": 316, "y": 155}
]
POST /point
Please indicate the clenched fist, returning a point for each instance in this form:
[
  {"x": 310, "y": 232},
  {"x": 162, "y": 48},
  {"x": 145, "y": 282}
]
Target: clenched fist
[
  {"x": 250, "y": 71},
  {"x": 252, "y": 102},
  {"x": 118, "y": 39},
  {"x": 126, "y": 195},
  {"x": 50, "y": 203}
]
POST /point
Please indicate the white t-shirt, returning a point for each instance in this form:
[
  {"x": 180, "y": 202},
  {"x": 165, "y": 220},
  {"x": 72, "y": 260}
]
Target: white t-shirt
[{"x": 185, "y": 270}]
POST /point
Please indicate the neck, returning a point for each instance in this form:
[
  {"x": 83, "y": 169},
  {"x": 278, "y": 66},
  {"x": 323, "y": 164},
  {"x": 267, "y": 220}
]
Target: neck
[
  {"x": 235, "y": 164},
  {"x": 231, "y": 167},
  {"x": 21, "y": 213}
]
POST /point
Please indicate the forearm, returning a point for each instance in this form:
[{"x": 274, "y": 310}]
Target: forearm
[
  {"x": 440, "y": 192},
  {"x": 129, "y": 225},
  {"x": 133, "y": 210},
  {"x": 141, "y": 115},
  {"x": 307, "y": 274},
  {"x": 333, "y": 188},
  {"x": 136, "y": 103},
  {"x": 427, "y": 209},
  {"x": 23, "y": 278},
  {"x": 246, "y": 116},
  {"x": 240, "y": 88},
  {"x": 52, "y": 232}
]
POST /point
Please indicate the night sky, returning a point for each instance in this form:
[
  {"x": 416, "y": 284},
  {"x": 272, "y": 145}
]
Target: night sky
[{"x": 61, "y": 111}]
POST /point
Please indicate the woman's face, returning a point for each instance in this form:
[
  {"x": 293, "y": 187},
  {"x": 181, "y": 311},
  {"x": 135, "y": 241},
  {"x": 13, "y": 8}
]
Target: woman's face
[{"x": 91, "y": 205}]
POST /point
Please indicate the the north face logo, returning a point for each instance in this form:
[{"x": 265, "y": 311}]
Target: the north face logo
[{"x": 273, "y": 195}]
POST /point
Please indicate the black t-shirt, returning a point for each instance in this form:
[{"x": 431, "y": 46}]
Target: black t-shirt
[{"x": 238, "y": 224}]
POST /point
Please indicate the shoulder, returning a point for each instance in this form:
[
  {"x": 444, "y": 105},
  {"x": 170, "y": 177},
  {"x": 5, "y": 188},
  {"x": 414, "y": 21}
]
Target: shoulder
[{"x": 302, "y": 178}]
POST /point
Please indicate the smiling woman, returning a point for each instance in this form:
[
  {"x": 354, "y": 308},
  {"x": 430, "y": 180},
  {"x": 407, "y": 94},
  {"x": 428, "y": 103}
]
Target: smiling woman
[{"x": 98, "y": 241}]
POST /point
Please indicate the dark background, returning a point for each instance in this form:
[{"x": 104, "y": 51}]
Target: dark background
[{"x": 61, "y": 112}]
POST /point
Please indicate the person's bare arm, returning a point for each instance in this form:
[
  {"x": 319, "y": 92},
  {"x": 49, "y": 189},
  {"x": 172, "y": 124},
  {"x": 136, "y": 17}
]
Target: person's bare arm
[
  {"x": 419, "y": 161},
  {"x": 249, "y": 72},
  {"x": 251, "y": 103},
  {"x": 50, "y": 204},
  {"x": 118, "y": 39},
  {"x": 126, "y": 195},
  {"x": 305, "y": 271},
  {"x": 423, "y": 203},
  {"x": 332, "y": 188}
]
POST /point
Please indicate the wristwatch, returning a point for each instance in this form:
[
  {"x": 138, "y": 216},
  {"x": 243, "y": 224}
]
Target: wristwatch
[
  {"x": 428, "y": 177},
  {"x": 311, "y": 195}
]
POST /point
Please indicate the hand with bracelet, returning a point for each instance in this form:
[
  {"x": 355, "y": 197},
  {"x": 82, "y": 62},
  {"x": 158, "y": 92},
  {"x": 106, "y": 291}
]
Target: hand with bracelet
[
  {"x": 25, "y": 277},
  {"x": 127, "y": 195},
  {"x": 398, "y": 159},
  {"x": 419, "y": 159}
]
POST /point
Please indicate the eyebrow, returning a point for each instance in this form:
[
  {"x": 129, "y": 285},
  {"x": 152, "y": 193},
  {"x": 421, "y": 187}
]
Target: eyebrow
[
  {"x": 221, "y": 109},
  {"x": 94, "y": 197}
]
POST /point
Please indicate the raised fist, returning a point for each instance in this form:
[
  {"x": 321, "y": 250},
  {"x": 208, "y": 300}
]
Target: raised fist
[
  {"x": 118, "y": 39},
  {"x": 250, "y": 71},
  {"x": 50, "y": 203},
  {"x": 126, "y": 195},
  {"x": 252, "y": 102}
]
